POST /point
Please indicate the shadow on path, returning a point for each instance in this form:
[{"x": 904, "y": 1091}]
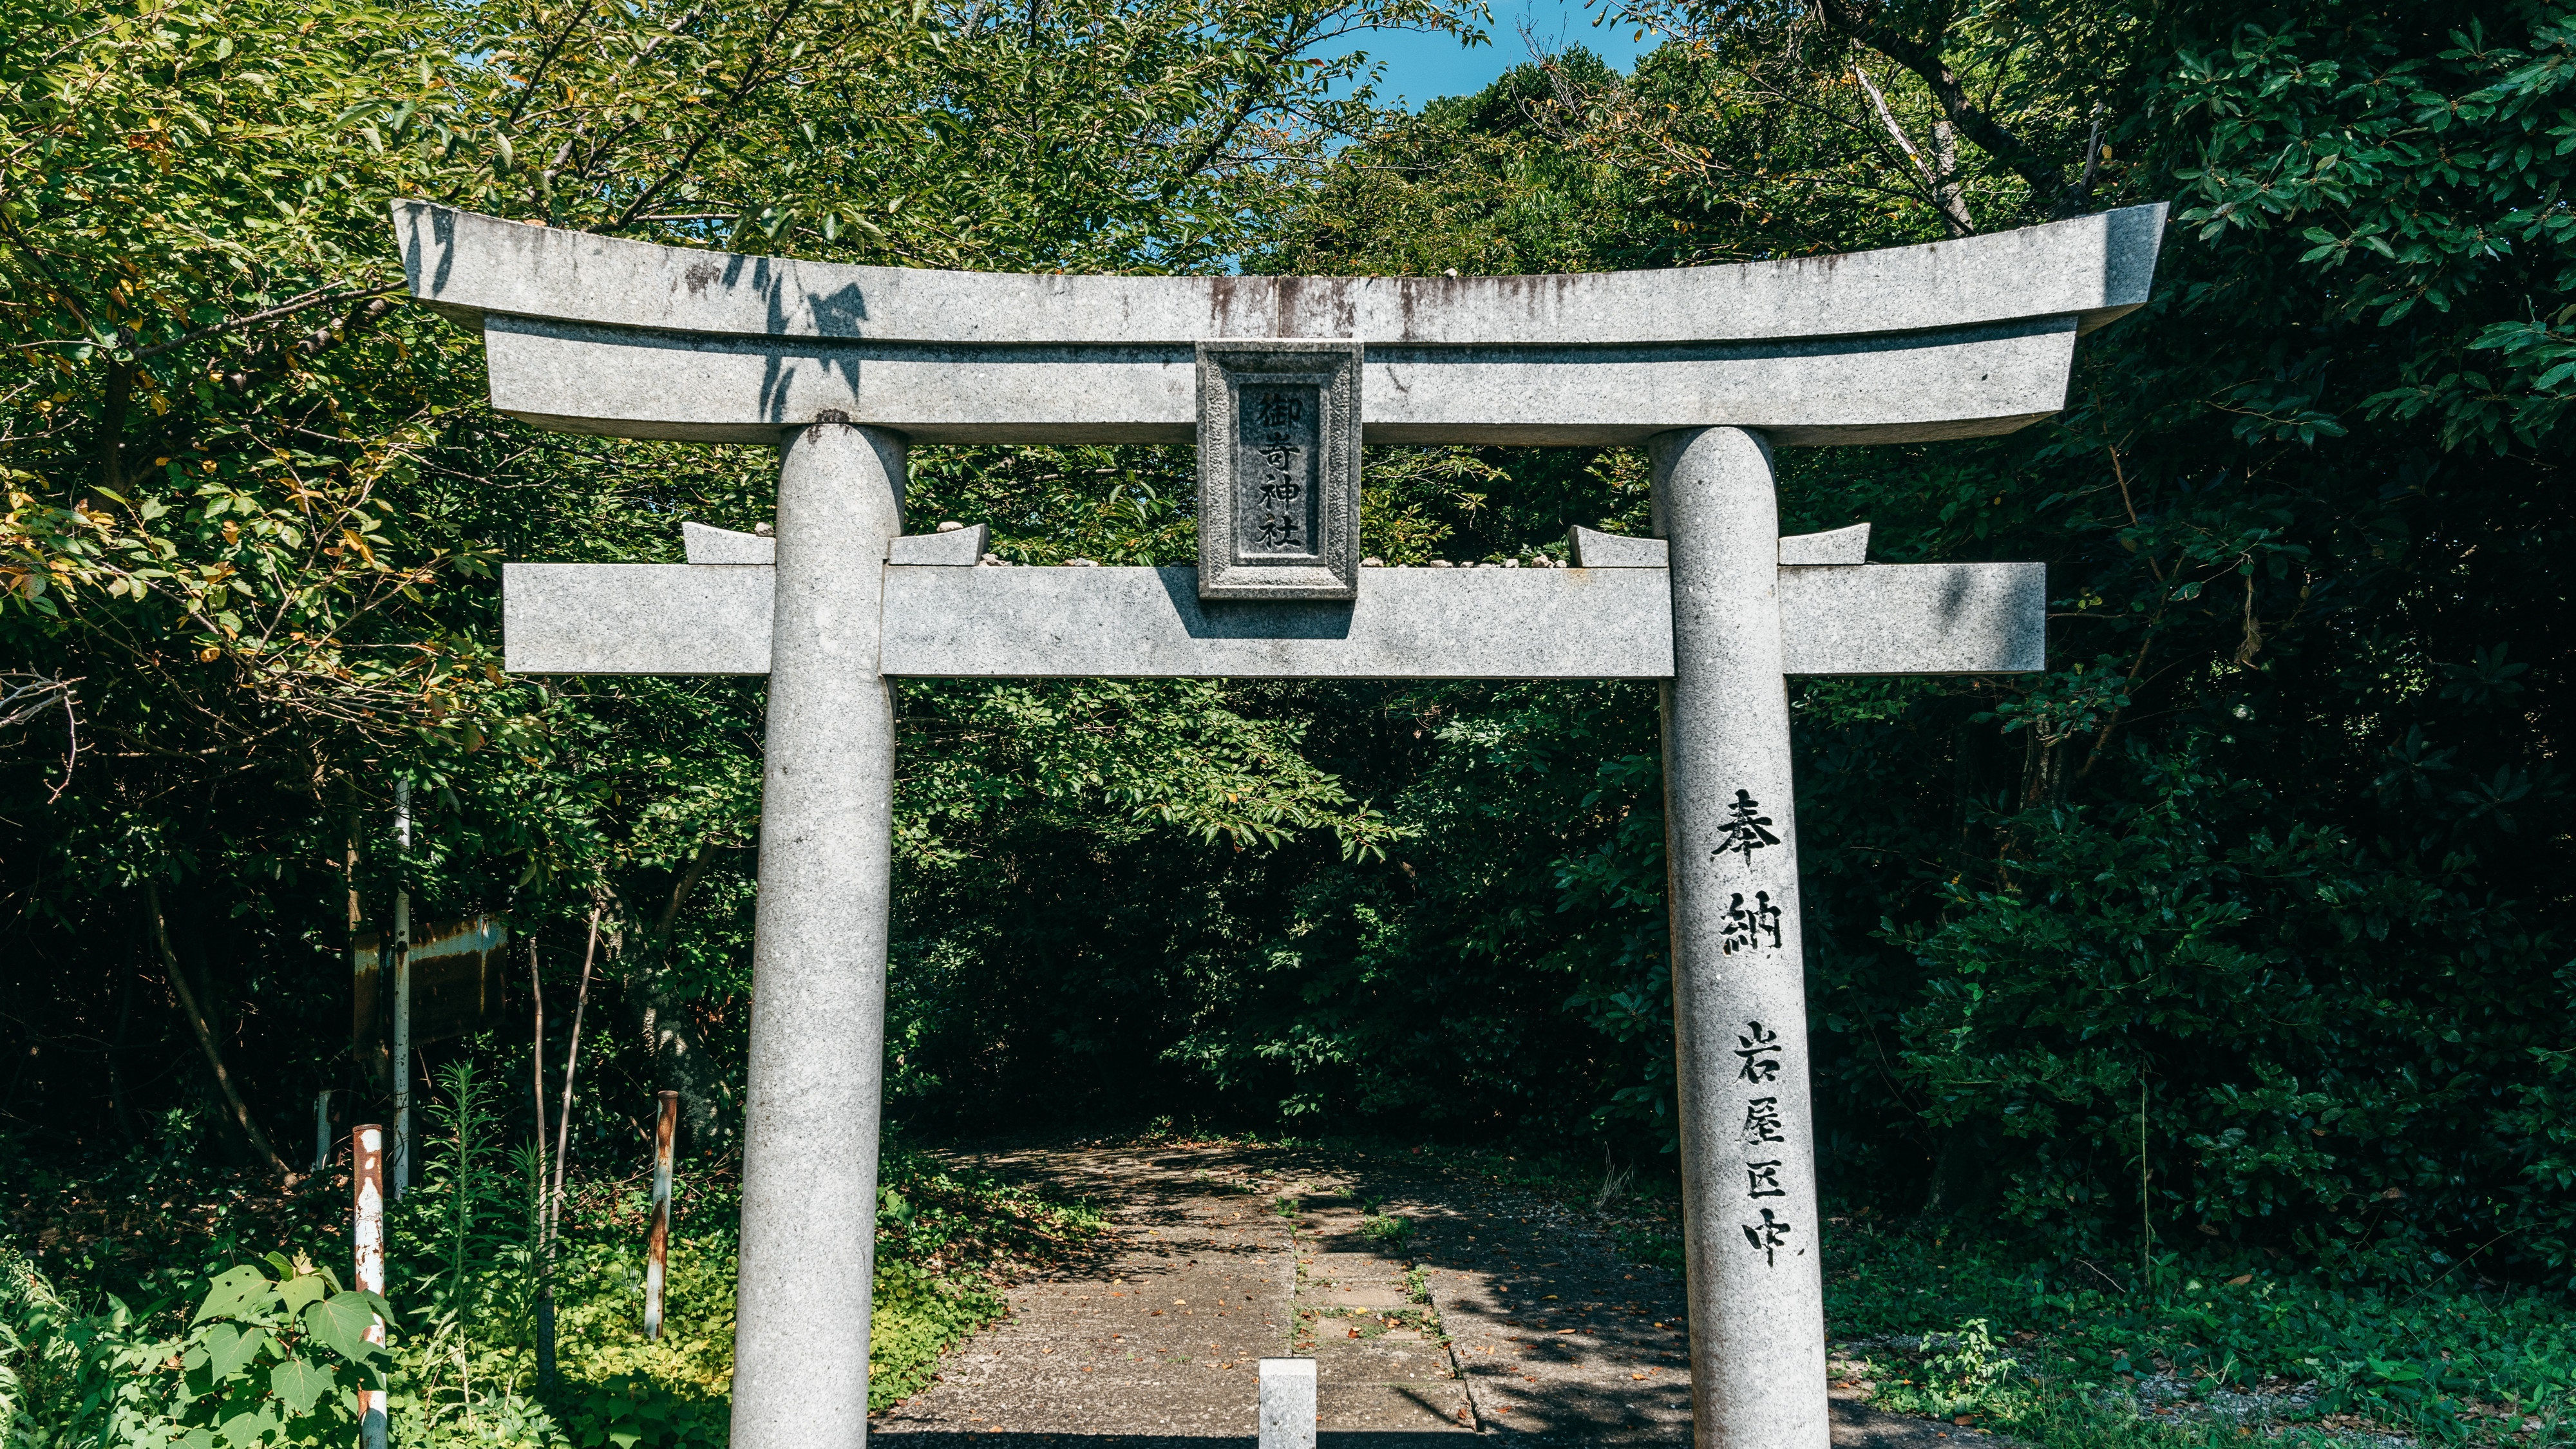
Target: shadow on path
[{"x": 1491, "y": 1314}]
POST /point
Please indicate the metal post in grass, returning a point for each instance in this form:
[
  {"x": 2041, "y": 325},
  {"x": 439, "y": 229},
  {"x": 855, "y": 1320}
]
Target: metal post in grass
[
  {"x": 657, "y": 1243},
  {"x": 321, "y": 1129},
  {"x": 402, "y": 990},
  {"x": 367, "y": 1176}
]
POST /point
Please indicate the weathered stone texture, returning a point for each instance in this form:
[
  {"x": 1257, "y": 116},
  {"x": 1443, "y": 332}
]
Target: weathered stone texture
[
  {"x": 1750, "y": 1228},
  {"x": 1279, "y": 470}
]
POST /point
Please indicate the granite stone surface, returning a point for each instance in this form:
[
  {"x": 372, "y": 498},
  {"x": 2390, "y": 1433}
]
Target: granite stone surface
[
  {"x": 1958, "y": 338},
  {"x": 691, "y": 618},
  {"x": 1839, "y": 548},
  {"x": 1150, "y": 622},
  {"x": 2093, "y": 268},
  {"x": 1963, "y": 382},
  {"x": 948, "y": 548},
  {"x": 818, "y": 961},
  {"x": 1134, "y": 623},
  {"x": 1750, "y": 1226},
  {"x": 704, "y": 544},
  {"x": 1279, "y": 470},
  {"x": 1593, "y": 549},
  {"x": 1287, "y": 1403},
  {"x": 1914, "y": 618}
]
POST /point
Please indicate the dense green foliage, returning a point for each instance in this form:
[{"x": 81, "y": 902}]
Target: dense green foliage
[
  {"x": 2242, "y": 927},
  {"x": 2210, "y": 1349},
  {"x": 169, "y": 1338}
]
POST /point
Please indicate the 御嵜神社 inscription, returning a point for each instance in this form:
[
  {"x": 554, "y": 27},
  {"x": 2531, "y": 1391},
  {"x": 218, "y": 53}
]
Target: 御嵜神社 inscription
[
  {"x": 1274, "y": 474},
  {"x": 1279, "y": 470},
  {"x": 1709, "y": 368}
]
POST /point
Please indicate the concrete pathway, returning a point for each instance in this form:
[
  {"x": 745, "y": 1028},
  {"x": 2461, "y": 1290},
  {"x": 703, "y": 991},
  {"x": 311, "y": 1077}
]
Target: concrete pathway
[{"x": 1437, "y": 1307}]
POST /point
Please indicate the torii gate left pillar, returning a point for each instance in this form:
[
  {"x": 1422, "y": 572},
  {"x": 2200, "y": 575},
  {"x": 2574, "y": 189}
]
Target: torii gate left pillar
[
  {"x": 1710, "y": 368},
  {"x": 817, "y": 1068}
]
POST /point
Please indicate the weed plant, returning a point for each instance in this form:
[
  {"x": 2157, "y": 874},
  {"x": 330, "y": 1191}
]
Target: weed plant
[
  {"x": 2068, "y": 1353},
  {"x": 259, "y": 1351}
]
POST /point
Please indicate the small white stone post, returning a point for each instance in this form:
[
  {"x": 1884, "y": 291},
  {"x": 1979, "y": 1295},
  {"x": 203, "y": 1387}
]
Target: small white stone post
[
  {"x": 1287, "y": 1403},
  {"x": 809, "y": 1180},
  {"x": 1739, "y": 991}
]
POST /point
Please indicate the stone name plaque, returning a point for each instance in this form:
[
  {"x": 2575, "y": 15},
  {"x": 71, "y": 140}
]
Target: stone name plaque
[{"x": 1279, "y": 470}]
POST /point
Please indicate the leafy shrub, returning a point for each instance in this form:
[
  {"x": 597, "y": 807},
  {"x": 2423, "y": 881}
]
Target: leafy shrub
[
  {"x": 1387, "y": 1229},
  {"x": 917, "y": 1316},
  {"x": 276, "y": 1361},
  {"x": 631, "y": 1411},
  {"x": 264, "y": 1363},
  {"x": 1972, "y": 1368}
]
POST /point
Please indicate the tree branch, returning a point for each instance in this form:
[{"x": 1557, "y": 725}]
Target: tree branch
[
  {"x": 1936, "y": 186},
  {"x": 205, "y": 1034},
  {"x": 751, "y": 76},
  {"x": 1861, "y": 21}
]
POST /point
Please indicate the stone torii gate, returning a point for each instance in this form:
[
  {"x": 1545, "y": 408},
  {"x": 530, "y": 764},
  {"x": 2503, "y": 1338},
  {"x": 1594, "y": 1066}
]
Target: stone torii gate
[{"x": 1278, "y": 379}]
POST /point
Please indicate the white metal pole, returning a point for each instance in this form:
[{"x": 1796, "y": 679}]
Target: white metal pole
[
  {"x": 367, "y": 1162},
  {"x": 402, "y": 990}
]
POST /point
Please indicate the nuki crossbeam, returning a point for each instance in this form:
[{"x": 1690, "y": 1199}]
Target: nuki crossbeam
[{"x": 1280, "y": 380}]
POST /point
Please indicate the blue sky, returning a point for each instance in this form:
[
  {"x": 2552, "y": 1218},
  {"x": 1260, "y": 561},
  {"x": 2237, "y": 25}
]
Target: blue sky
[{"x": 1420, "y": 67}]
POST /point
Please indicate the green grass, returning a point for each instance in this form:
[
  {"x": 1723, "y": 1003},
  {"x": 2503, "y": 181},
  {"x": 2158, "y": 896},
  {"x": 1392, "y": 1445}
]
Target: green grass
[
  {"x": 2454, "y": 1363},
  {"x": 464, "y": 1368},
  {"x": 2398, "y": 1346},
  {"x": 947, "y": 1241}
]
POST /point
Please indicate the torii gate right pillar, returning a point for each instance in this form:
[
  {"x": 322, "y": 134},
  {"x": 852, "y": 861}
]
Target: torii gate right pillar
[{"x": 1739, "y": 994}]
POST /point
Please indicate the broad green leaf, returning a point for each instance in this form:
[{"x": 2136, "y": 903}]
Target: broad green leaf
[
  {"x": 237, "y": 1291},
  {"x": 246, "y": 1430},
  {"x": 341, "y": 1322},
  {"x": 230, "y": 1346},
  {"x": 299, "y": 1384},
  {"x": 298, "y": 1292}
]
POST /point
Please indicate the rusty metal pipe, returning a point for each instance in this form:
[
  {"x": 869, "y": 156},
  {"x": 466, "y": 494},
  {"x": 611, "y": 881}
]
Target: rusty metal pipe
[
  {"x": 367, "y": 1179},
  {"x": 657, "y": 1244}
]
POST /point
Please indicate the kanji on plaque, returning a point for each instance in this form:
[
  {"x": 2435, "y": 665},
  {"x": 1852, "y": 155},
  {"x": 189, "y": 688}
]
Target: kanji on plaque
[{"x": 1279, "y": 459}]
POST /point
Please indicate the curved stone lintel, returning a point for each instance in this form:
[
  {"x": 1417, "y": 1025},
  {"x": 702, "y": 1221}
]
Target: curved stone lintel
[{"x": 2092, "y": 268}]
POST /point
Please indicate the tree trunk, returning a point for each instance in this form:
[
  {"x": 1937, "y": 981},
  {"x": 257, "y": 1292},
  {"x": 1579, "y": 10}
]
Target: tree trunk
[
  {"x": 205, "y": 1033},
  {"x": 663, "y": 1024}
]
